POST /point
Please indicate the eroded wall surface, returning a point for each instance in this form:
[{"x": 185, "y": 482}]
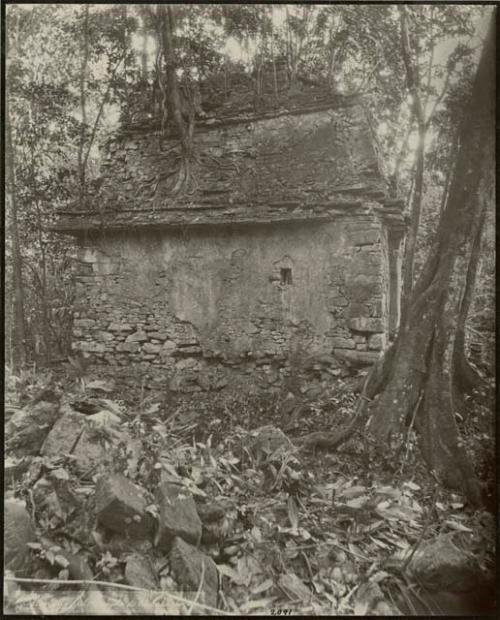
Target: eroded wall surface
[{"x": 186, "y": 308}]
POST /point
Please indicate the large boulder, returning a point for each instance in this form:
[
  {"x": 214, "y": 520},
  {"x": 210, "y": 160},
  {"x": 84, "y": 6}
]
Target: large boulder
[
  {"x": 27, "y": 429},
  {"x": 441, "y": 564},
  {"x": 139, "y": 572},
  {"x": 188, "y": 565},
  {"x": 178, "y": 516},
  {"x": 82, "y": 437},
  {"x": 121, "y": 507},
  {"x": 18, "y": 532}
]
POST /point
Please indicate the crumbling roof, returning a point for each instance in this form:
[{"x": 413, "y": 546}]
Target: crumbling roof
[{"x": 288, "y": 153}]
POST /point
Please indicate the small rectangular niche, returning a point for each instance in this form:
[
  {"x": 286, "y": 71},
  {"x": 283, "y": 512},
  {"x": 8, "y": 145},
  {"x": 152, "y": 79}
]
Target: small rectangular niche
[{"x": 286, "y": 275}]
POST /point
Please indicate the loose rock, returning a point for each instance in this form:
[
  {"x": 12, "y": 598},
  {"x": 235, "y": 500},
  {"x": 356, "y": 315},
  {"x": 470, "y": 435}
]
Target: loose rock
[
  {"x": 187, "y": 564},
  {"x": 75, "y": 434},
  {"x": 178, "y": 516},
  {"x": 27, "y": 429},
  {"x": 18, "y": 531},
  {"x": 139, "y": 572},
  {"x": 441, "y": 565},
  {"x": 121, "y": 507}
]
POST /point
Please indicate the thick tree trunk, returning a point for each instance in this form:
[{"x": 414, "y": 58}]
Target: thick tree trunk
[
  {"x": 421, "y": 377},
  {"x": 412, "y": 83},
  {"x": 174, "y": 102},
  {"x": 466, "y": 376}
]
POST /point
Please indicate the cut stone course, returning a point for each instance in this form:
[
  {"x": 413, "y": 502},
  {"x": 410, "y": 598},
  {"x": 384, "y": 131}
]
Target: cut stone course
[
  {"x": 130, "y": 347},
  {"x": 139, "y": 336},
  {"x": 377, "y": 341},
  {"x": 365, "y": 324},
  {"x": 151, "y": 348},
  {"x": 120, "y": 327}
]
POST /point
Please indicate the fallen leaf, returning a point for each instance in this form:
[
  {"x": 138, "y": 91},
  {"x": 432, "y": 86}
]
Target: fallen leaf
[
  {"x": 457, "y": 526},
  {"x": 294, "y": 587},
  {"x": 262, "y": 587},
  {"x": 357, "y": 503},
  {"x": 262, "y": 603},
  {"x": 104, "y": 418},
  {"x": 293, "y": 513},
  {"x": 411, "y": 485},
  {"x": 379, "y": 576},
  {"x": 352, "y": 492},
  {"x": 105, "y": 386}
]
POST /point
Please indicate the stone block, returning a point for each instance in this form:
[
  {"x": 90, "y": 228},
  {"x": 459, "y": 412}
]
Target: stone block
[
  {"x": 188, "y": 565},
  {"x": 28, "y": 428},
  {"x": 151, "y": 348},
  {"x": 358, "y": 309},
  {"x": 357, "y": 358},
  {"x": 120, "y": 327},
  {"x": 362, "y": 288},
  {"x": 339, "y": 301},
  {"x": 73, "y": 434},
  {"x": 128, "y": 347},
  {"x": 376, "y": 309},
  {"x": 158, "y": 335},
  {"x": 440, "y": 564},
  {"x": 103, "y": 336},
  {"x": 18, "y": 531},
  {"x": 91, "y": 347},
  {"x": 190, "y": 350},
  {"x": 376, "y": 342},
  {"x": 121, "y": 507},
  {"x": 343, "y": 343},
  {"x": 367, "y": 324},
  {"x": 84, "y": 323},
  {"x": 64, "y": 434},
  {"x": 139, "y": 336},
  {"x": 178, "y": 516},
  {"x": 367, "y": 237},
  {"x": 188, "y": 362},
  {"x": 89, "y": 451},
  {"x": 139, "y": 572}
]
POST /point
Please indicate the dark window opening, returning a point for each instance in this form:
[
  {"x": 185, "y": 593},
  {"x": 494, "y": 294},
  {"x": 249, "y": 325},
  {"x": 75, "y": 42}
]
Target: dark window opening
[{"x": 286, "y": 275}]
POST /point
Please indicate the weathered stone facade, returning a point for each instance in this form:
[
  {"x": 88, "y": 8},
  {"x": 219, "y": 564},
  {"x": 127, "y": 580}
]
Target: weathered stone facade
[{"x": 288, "y": 246}]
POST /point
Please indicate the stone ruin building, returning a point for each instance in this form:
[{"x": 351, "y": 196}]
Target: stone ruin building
[{"x": 285, "y": 247}]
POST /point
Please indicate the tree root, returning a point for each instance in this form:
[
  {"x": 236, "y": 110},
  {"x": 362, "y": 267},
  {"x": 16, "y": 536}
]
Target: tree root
[{"x": 372, "y": 385}]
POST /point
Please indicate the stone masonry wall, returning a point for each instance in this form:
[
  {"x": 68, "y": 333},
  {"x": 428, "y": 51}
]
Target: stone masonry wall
[{"x": 186, "y": 309}]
